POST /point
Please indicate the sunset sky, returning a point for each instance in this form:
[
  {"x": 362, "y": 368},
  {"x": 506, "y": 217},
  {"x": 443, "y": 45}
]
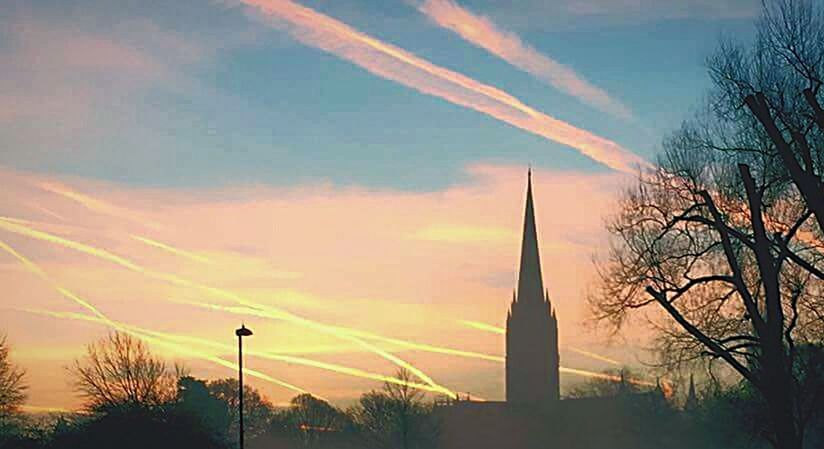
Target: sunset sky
[{"x": 342, "y": 176}]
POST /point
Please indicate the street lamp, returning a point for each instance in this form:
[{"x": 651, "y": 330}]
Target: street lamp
[{"x": 242, "y": 332}]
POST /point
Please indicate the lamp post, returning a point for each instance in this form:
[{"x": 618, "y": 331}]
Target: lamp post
[{"x": 242, "y": 332}]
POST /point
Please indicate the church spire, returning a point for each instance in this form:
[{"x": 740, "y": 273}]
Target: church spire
[
  {"x": 692, "y": 398},
  {"x": 530, "y": 284}
]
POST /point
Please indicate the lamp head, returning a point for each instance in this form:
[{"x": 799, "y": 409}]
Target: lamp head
[{"x": 243, "y": 331}]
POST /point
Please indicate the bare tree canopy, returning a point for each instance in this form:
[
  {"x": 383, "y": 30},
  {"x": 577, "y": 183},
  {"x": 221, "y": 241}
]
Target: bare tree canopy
[
  {"x": 721, "y": 243},
  {"x": 119, "y": 371},
  {"x": 396, "y": 416},
  {"x": 12, "y": 388}
]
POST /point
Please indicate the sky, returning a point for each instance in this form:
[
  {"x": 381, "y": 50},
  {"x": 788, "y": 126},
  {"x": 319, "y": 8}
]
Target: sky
[{"x": 346, "y": 177}]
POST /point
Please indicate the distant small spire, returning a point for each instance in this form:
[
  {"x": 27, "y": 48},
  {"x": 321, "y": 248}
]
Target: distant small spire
[{"x": 692, "y": 398}]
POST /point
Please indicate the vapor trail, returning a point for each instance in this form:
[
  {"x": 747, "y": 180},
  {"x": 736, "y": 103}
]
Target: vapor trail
[
  {"x": 420, "y": 346},
  {"x": 45, "y": 409},
  {"x": 499, "y": 330},
  {"x": 249, "y": 311},
  {"x": 483, "y": 326},
  {"x": 44, "y": 210},
  {"x": 170, "y": 278},
  {"x": 100, "y": 317},
  {"x": 604, "y": 376},
  {"x": 482, "y": 32},
  {"x": 188, "y": 340},
  {"x": 96, "y": 205},
  {"x": 593, "y": 355},
  {"x": 388, "y": 61},
  {"x": 271, "y": 312},
  {"x": 170, "y": 249}
]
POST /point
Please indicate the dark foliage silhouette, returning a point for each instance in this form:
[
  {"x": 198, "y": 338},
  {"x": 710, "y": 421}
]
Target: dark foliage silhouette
[
  {"x": 257, "y": 410},
  {"x": 208, "y": 411},
  {"x": 311, "y": 419},
  {"x": 138, "y": 428}
]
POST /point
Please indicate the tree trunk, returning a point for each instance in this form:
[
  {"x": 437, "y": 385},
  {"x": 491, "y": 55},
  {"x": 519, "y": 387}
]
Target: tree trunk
[
  {"x": 786, "y": 433},
  {"x": 778, "y": 392}
]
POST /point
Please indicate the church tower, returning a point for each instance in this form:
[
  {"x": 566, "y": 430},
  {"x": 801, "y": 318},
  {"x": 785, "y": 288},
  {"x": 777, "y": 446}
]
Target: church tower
[{"x": 532, "y": 358}]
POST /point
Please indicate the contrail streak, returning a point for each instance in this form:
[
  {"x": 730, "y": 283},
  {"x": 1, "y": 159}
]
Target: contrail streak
[
  {"x": 483, "y": 326},
  {"x": 388, "y": 61},
  {"x": 171, "y": 249},
  {"x": 605, "y": 376},
  {"x": 249, "y": 311},
  {"x": 170, "y": 278},
  {"x": 188, "y": 340},
  {"x": 593, "y": 355},
  {"x": 499, "y": 330},
  {"x": 45, "y": 409},
  {"x": 420, "y": 346},
  {"x": 270, "y": 312},
  {"x": 482, "y": 32},
  {"x": 96, "y": 205},
  {"x": 44, "y": 210},
  {"x": 100, "y": 317}
]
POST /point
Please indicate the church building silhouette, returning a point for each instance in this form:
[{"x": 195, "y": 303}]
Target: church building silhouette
[
  {"x": 532, "y": 359},
  {"x": 534, "y": 415}
]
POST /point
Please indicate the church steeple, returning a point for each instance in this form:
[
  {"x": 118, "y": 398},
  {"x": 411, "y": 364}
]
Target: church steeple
[
  {"x": 532, "y": 359},
  {"x": 530, "y": 282},
  {"x": 692, "y": 398}
]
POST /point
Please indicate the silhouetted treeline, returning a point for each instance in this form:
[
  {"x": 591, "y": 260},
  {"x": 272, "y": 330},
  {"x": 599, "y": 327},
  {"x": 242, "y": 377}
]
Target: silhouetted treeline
[
  {"x": 196, "y": 413},
  {"x": 133, "y": 399}
]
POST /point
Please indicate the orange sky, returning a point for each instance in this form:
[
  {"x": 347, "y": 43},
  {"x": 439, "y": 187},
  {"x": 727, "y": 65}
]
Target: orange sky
[{"x": 407, "y": 266}]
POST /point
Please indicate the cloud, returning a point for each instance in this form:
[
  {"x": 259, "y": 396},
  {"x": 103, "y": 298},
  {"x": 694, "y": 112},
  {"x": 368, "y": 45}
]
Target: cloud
[
  {"x": 388, "y": 61},
  {"x": 57, "y": 72},
  {"x": 482, "y": 32},
  {"x": 357, "y": 265},
  {"x": 68, "y": 85}
]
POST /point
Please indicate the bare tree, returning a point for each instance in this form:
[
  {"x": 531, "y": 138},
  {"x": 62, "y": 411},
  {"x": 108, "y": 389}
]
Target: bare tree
[
  {"x": 409, "y": 406},
  {"x": 720, "y": 235},
  {"x": 396, "y": 416},
  {"x": 119, "y": 371},
  {"x": 12, "y": 388}
]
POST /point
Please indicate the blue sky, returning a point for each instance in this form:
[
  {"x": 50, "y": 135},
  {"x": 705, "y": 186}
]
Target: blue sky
[
  {"x": 333, "y": 188},
  {"x": 227, "y": 99}
]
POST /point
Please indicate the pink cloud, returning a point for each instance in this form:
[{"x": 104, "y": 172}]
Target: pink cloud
[
  {"x": 482, "y": 32},
  {"x": 348, "y": 250},
  {"x": 61, "y": 82}
]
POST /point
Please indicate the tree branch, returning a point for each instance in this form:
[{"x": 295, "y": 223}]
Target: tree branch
[
  {"x": 813, "y": 102},
  {"x": 765, "y": 261},
  {"x": 703, "y": 338},
  {"x": 744, "y": 292}
]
